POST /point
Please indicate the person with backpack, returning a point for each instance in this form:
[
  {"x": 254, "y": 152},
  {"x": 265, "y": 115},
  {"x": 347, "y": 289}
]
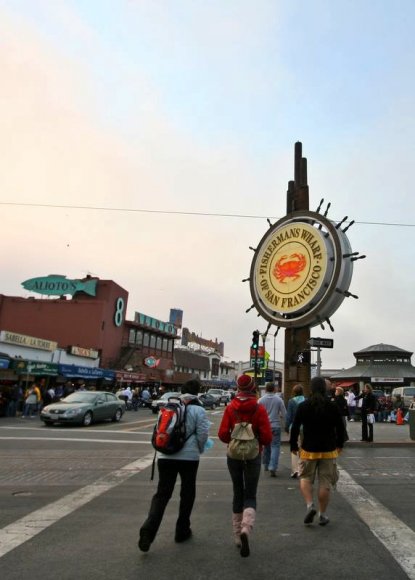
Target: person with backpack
[
  {"x": 245, "y": 427},
  {"x": 182, "y": 430}
]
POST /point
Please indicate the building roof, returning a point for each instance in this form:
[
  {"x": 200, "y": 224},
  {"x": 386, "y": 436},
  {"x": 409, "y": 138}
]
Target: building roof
[
  {"x": 383, "y": 348},
  {"x": 385, "y": 370},
  {"x": 191, "y": 360}
]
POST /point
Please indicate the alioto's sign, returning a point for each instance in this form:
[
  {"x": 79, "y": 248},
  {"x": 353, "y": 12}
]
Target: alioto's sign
[{"x": 299, "y": 276}]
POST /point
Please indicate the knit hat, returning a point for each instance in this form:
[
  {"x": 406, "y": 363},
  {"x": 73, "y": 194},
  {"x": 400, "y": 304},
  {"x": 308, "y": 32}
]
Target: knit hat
[{"x": 245, "y": 383}]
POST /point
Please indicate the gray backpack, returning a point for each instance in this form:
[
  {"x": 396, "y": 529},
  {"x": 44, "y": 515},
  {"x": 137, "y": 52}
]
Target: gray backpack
[{"x": 243, "y": 444}]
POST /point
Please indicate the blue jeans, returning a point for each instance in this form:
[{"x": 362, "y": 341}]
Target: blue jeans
[
  {"x": 245, "y": 476},
  {"x": 271, "y": 453}
]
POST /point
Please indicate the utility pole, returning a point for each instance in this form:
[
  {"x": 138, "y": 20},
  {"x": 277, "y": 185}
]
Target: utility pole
[{"x": 296, "y": 339}]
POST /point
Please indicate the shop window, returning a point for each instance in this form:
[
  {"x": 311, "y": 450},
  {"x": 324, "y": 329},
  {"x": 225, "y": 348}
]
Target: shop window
[
  {"x": 139, "y": 337},
  {"x": 170, "y": 345},
  {"x": 152, "y": 341},
  {"x": 159, "y": 343},
  {"x": 131, "y": 338},
  {"x": 146, "y": 339},
  {"x": 165, "y": 344}
]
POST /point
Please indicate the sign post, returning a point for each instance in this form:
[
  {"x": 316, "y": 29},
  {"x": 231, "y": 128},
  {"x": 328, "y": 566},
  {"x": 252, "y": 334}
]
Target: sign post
[{"x": 320, "y": 343}]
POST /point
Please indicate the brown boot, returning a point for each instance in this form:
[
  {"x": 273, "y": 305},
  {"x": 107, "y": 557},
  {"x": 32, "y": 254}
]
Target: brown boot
[
  {"x": 248, "y": 521},
  {"x": 236, "y": 526}
]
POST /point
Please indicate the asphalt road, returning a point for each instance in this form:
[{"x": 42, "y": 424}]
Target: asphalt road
[{"x": 72, "y": 501}]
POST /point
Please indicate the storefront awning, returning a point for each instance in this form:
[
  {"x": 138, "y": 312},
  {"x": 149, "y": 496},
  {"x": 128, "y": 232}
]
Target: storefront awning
[
  {"x": 4, "y": 363},
  {"x": 346, "y": 384},
  {"x": 76, "y": 372},
  {"x": 35, "y": 368}
]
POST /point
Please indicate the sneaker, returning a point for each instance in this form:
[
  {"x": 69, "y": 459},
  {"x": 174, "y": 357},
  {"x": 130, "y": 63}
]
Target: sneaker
[
  {"x": 272, "y": 473},
  {"x": 182, "y": 536},
  {"x": 294, "y": 475},
  {"x": 244, "y": 545},
  {"x": 323, "y": 521},
  {"x": 144, "y": 541},
  {"x": 309, "y": 517}
]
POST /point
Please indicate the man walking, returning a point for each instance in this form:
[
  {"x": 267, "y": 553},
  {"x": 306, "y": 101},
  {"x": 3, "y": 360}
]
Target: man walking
[
  {"x": 184, "y": 463},
  {"x": 323, "y": 439},
  {"x": 275, "y": 408}
]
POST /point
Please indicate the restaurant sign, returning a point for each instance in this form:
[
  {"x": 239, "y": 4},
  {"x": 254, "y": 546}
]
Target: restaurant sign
[
  {"x": 28, "y": 341},
  {"x": 84, "y": 352},
  {"x": 57, "y": 285},
  {"x": 144, "y": 320}
]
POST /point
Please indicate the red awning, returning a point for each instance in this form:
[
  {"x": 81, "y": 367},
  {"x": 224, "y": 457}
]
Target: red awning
[{"x": 346, "y": 384}]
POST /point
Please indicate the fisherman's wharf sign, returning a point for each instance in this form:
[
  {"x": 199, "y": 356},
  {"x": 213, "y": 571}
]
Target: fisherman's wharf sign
[{"x": 299, "y": 276}]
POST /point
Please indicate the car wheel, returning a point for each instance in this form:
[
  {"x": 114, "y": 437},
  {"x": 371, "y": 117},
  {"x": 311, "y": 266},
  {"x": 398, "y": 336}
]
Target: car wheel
[
  {"x": 213, "y": 406},
  {"x": 117, "y": 416},
  {"x": 87, "y": 420}
]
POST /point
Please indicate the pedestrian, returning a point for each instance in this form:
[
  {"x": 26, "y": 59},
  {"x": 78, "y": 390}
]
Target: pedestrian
[
  {"x": 245, "y": 473},
  {"x": 31, "y": 402},
  {"x": 184, "y": 463},
  {"x": 323, "y": 439},
  {"x": 296, "y": 399},
  {"x": 351, "y": 403},
  {"x": 341, "y": 402},
  {"x": 367, "y": 412},
  {"x": 275, "y": 408}
]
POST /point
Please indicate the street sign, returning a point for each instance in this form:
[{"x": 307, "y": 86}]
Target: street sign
[{"x": 321, "y": 342}]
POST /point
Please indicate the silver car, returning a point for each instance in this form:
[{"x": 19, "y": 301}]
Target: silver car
[{"x": 84, "y": 408}]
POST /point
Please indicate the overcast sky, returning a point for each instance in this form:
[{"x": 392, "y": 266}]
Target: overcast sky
[{"x": 195, "y": 106}]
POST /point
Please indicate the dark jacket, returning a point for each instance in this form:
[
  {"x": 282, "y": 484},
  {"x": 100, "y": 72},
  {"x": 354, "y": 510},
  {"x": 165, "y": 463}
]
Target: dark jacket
[
  {"x": 323, "y": 428},
  {"x": 342, "y": 405},
  {"x": 369, "y": 403}
]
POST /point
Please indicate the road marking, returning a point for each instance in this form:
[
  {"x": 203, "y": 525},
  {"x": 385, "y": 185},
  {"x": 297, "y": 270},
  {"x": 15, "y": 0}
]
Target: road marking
[
  {"x": 78, "y": 440},
  {"x": 397, "y": 537},
  {"x": 13, "y": 535}
]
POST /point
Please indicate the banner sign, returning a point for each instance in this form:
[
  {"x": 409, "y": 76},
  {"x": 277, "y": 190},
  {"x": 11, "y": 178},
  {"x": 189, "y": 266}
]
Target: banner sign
[
  {"x": 75, "y": 372},
  {"x": 35, "y": 368},
  {"x": 28, "y": 341}
]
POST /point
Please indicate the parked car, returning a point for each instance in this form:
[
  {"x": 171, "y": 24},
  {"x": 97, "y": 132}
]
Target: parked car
[
  {"x": 220, "y": 395},
  {"x": 84, "y": 408},
  {"x": 407, "y": 394},
  {"x": 208, "y": 401},
  {"x": 163, "y": 400}
]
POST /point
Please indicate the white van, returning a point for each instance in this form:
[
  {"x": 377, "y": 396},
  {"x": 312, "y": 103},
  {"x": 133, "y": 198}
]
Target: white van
[{"x": 407, "y": 394}]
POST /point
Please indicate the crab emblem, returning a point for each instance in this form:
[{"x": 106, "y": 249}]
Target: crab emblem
[{"x": 289, "y": 268}]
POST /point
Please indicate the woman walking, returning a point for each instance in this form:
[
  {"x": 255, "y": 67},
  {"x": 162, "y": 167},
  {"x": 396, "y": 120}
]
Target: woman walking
[
  {"x": 368, "y": 410},
  {"x": 244, "y": 409}
]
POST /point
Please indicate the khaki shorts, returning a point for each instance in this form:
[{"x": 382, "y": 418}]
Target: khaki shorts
[{"x": 326, "y": 469}]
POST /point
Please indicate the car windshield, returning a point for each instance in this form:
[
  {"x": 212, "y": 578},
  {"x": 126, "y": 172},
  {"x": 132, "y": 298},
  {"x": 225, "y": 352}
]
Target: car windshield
[
  {"x": 215, "y": 391},
  {"x": 82, "y": 397}
]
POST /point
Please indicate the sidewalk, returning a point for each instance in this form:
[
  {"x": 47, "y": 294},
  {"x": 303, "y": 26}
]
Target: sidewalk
[{"x": 384, "y": 435}]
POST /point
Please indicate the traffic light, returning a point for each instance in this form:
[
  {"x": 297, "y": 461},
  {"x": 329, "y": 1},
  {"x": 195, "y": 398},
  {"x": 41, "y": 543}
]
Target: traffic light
[{"x": 255, "y": 339}]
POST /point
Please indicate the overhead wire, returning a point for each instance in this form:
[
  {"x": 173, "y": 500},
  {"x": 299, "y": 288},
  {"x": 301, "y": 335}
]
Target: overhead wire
[{"x": 180, "y": 212}]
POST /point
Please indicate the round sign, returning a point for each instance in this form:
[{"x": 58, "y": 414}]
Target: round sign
[{"x": 299, "y": 275}]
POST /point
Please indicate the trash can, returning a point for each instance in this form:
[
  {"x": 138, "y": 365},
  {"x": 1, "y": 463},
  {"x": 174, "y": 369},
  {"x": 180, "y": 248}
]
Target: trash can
[{"x": 412, "y": 424}]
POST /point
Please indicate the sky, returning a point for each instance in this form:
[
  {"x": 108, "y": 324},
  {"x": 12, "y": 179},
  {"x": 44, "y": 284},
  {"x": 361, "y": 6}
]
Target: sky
[{"x": 148, "y": 141}]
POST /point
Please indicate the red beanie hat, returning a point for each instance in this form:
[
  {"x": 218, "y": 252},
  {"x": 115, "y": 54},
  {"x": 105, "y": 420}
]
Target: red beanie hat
[{"x": 245, "y": 383}]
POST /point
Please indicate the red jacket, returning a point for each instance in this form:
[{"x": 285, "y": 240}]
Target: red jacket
[{"x": 244, "y": 407}]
